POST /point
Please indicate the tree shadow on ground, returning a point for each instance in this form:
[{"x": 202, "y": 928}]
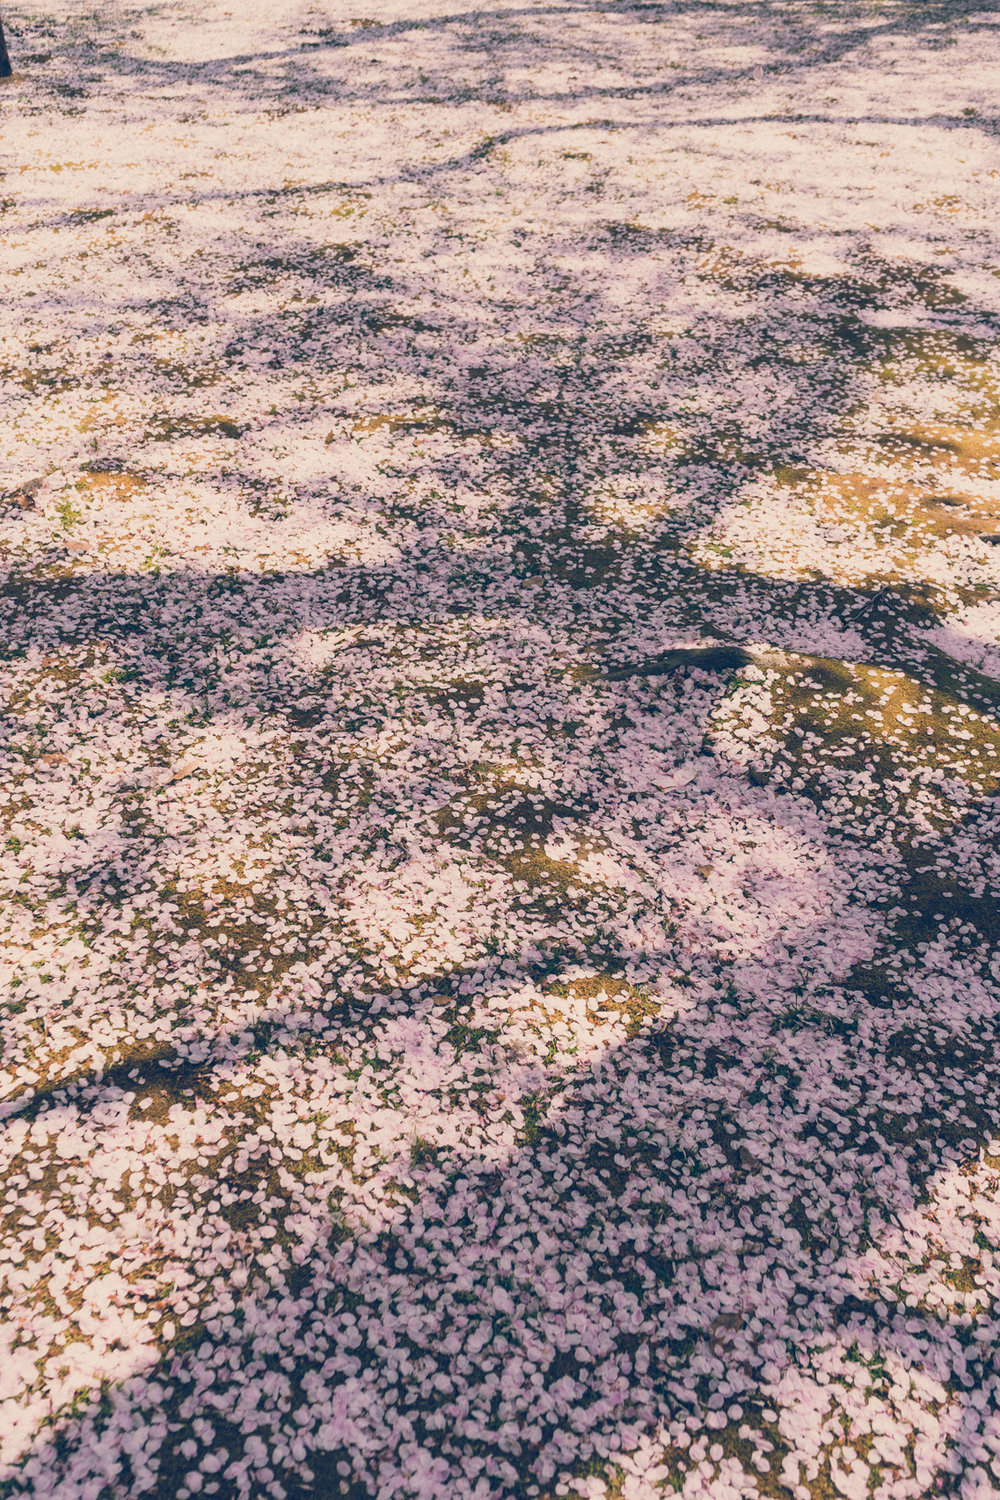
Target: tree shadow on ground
[
  {"x": 681, "y": 1223},
  {"x": 685, "y": 1225},
  {"x": 689, "y": 1224},
  {"x": 474, "y": 56}
]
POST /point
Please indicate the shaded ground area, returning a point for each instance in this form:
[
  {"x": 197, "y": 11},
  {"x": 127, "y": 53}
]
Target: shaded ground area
[{"x": 500, "y": 532}]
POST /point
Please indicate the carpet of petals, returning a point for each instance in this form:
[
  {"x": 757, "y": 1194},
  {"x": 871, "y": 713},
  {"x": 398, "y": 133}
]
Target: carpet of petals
[{"x": 500, "y": 813}]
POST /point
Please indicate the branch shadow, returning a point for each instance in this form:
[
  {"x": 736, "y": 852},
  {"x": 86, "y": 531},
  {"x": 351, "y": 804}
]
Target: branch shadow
[
  {"x": 679, "y": 1229},
  {"x": 675, "y": 1225}
]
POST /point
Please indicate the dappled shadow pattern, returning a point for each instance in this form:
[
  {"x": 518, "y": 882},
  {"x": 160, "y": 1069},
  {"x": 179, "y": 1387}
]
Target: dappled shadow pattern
[{"x": 493, "y": 994}]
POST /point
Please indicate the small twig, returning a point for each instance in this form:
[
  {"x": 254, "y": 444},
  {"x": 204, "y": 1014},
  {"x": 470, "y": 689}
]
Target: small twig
[
  {"x": 5, "y": 68},
  {"x": 712, "y": 658},
  {"x": 870, "y": 603}
]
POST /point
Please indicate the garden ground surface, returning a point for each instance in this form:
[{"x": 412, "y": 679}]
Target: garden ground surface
[{"x": 500, "y": 636}]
